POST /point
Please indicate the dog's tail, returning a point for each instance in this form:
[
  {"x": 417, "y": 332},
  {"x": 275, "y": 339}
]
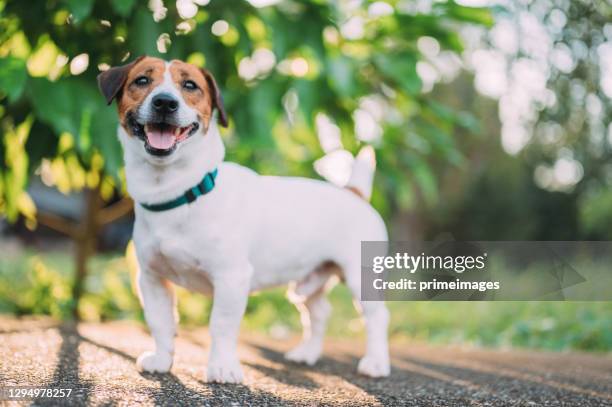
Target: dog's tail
[{"x": 362, "y": 175}]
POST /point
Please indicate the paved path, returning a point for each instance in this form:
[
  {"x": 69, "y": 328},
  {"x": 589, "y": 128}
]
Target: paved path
[{"x": 97, "y": 360}]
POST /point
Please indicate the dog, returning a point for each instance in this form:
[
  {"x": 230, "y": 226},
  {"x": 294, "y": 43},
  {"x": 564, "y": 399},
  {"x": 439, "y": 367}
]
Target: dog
[{"x": 223, "y": 230}]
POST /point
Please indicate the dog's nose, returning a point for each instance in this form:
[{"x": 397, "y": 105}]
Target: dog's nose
[{"x": 164, "y": 103}]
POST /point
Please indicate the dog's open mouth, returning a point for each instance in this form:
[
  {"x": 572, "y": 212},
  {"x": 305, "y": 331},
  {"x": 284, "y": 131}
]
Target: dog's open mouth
[
  {"x": 164, "y": 137},
  {"x": 161, "y": 139}
]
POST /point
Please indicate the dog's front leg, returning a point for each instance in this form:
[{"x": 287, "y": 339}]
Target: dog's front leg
[
  {"x": 231, "y": 291},
  {"x": 158, "y": 300}
]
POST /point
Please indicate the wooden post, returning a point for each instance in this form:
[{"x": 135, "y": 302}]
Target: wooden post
[{"x": 85, "y": 244}]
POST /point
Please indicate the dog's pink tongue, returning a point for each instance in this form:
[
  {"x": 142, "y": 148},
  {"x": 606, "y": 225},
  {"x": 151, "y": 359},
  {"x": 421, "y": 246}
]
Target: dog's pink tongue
[{"x": 160, "y": 139}]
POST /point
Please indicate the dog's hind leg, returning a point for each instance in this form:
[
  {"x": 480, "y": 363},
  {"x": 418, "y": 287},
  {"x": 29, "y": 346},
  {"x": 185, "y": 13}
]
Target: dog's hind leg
[
  {"x": 375, "y": 363},
  {"x": 309, "y": 296},
  {"x": 159, "y": 302}
]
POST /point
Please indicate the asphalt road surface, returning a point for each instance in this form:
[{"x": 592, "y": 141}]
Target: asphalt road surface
[{"x": 97, "y": 362}]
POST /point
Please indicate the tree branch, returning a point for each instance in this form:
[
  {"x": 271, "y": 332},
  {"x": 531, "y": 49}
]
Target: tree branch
[
  {"x": 115, "y": 211},
  {"x": 57, "y": 223}
]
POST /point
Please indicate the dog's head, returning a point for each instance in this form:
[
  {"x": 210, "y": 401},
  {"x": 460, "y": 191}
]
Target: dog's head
[{"x": 162, "y": 104}]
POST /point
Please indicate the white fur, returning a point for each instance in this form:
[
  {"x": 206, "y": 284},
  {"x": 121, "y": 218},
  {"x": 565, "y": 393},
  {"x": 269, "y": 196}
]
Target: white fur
[{"x": 249, "y": 233}]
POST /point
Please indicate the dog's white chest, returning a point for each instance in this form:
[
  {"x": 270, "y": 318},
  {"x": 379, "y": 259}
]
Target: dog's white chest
[{"x": 174, "y": 258}]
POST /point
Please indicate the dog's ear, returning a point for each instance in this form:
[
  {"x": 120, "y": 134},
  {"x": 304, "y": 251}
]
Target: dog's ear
[
  {"x": 217, "y": 99},
  {"x": 112, "y": 80}
]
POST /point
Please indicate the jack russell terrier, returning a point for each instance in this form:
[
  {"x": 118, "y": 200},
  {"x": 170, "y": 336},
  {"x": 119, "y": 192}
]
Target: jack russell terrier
[{"x": 221, "y": 229}]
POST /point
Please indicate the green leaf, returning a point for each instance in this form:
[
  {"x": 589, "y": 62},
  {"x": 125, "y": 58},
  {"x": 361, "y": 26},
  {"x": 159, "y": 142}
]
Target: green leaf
[
  {"x": 264, "y": 103},
  {"x": 13, "y": 76},
  {"x": 477, "y": 15},
  {"x": 401, "y": 68},
  {"x": 308, "y": 97},
  {"x": 80, "y": 9},
  {"x": 469, "y": 122},
  {"x": 341, "y": 75},
  {"x": 16, "y": 174},
  {"x": 123, "y": 7},
  {"x": 143, "y": 34},
  {"x": 44, "y": 145},
  {"x": 83, "y": 114},
  {"x": 104, "y": 137},
  {"x": 426, "y": 181},
  {"x": 56, "y": 104},
  {"x": 443, "y": 112}
]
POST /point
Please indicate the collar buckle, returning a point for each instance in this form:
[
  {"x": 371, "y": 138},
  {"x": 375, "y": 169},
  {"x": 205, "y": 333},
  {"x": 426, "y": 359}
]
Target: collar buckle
[{"x": 191, "y": 195}]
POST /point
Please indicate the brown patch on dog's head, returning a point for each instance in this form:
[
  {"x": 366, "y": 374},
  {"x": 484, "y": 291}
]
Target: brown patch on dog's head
[
  {"x": 205, "y": 96},
  {"x": 112, "y": 80},
  {"x": 119, "y": 83}
]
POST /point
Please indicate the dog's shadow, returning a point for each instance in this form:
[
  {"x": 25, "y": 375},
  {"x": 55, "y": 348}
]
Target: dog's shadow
[
  {"x": 172, "y": 391},
  {"x": 299, "y": 375},
  {"x": 344, "y": 368},
  {"x": 289, "y": 375}
]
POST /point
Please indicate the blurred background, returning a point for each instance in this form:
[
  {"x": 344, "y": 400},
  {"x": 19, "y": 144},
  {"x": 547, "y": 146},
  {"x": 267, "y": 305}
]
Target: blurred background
[{"x": 490, "y": 120}]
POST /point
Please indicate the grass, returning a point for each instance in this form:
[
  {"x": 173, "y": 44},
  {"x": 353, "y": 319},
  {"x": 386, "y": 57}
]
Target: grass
[{"x": 40, "y": 284}]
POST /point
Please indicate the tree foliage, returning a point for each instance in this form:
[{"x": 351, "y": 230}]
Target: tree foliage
[{"x": 279, "y": 68}]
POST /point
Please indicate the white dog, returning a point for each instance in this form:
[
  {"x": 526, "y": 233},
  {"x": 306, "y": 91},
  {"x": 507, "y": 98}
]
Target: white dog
[{"x": 223, "y": 230}]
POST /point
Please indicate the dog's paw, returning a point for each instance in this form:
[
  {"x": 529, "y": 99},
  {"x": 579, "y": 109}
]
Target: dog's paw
[
  {"x": 152, "y": 362},
  {"x": 305, "y": 352},
  {"x": 224, "y": 370},
  {"x": 374, "y": 366}
]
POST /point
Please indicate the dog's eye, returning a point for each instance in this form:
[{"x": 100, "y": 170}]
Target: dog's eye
[
  {"x": 190, "y": 85},
  {"x": 142, "y": 81}
]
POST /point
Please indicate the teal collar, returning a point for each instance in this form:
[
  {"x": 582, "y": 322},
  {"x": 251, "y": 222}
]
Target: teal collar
[{"x": 202, "y": 188}]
